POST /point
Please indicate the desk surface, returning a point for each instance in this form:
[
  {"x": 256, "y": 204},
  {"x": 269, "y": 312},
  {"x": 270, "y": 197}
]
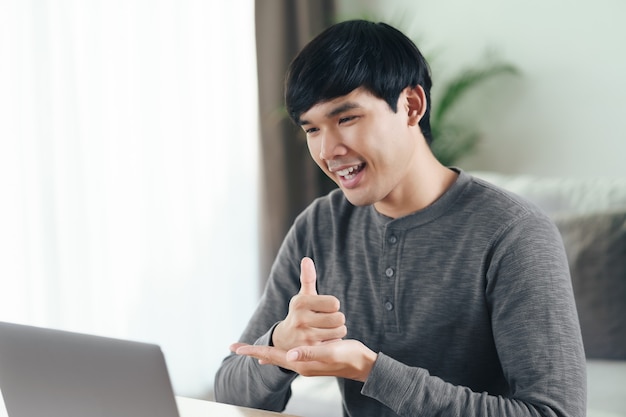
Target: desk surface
[{"x": 189, "y": 407}]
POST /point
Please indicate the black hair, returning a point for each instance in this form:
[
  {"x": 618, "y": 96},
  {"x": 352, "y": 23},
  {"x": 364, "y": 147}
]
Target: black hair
[{"x": 353, "y": 54}]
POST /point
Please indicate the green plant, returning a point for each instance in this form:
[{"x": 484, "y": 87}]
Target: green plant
[{"x": 452, "y": 139}]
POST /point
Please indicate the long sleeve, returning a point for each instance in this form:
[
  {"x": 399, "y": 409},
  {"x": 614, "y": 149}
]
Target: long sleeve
[
  {"x": 468, "y": 302},
  {"x": 242, "y": 380},
  {"x": 536, "y": 333}
]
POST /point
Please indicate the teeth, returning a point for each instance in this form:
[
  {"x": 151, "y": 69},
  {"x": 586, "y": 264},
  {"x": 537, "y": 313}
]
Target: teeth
[{"x": 347, "y": 171}]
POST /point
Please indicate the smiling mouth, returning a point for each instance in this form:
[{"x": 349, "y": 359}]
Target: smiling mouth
[{"x": 350, "y": 172}]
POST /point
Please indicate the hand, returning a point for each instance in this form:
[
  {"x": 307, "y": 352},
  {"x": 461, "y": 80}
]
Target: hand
[
  {"x": 342, "y": 358},
  {"x": 312, "y": 319}
]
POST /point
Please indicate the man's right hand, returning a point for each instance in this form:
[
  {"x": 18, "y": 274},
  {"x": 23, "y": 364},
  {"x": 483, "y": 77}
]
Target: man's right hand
[{"x": 312, "y": 319}]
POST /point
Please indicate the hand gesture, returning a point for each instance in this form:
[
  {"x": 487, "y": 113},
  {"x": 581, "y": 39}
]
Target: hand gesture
[
  {"x": 309, "y": 340},
  {"x": 349, "y": 359},
  {"x": 312, "y": 319}
]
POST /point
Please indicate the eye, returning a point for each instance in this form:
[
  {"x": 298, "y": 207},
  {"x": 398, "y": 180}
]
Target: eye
[
  {"x": 347, "y": 119},
  {"x": 311, "y": 130}
]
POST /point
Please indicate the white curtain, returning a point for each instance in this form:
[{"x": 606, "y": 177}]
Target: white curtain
[{"x": 128, "y": 166}]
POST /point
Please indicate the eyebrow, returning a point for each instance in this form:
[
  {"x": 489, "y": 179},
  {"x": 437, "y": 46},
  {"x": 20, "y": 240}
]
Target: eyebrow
[{"x": 342, "y": 108}]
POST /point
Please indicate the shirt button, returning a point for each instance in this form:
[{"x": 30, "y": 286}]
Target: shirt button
[
  {"x": 388, "y": 305},
  {"x": 389, "y": 272},
  {"x": 393, "y": 239}
]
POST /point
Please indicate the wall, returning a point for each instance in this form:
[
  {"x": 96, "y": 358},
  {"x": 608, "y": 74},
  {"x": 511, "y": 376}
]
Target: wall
[{"x": 566, "y": 114}]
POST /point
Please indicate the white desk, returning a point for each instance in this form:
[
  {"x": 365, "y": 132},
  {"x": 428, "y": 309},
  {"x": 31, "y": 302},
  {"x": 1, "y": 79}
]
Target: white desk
[{"x": 189, "y": 407}]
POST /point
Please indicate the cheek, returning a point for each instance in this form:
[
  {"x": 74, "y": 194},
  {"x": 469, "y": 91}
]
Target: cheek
[
  {"x": 314, "y": 150},
  {"x": 315, "y": 155}
]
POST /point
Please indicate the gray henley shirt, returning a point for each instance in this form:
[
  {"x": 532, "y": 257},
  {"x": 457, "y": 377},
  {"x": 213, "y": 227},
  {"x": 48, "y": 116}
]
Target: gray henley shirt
[{"x": 468, "y": 303}]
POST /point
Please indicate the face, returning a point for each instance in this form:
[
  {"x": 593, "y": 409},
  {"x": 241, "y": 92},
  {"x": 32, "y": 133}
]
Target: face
[{"x": 366, "y": 148}]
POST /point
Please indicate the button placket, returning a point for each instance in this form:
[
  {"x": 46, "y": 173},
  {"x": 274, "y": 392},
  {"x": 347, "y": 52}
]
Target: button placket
[{"x": 389, "y": 282}]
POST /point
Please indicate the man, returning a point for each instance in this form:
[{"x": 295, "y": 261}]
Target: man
[{"x": 424, "y": 290}]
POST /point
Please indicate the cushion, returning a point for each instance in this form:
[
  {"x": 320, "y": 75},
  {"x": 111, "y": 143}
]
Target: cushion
[
  {"x": 564, "y": 196},
  {"x": 606, "y": 388},
  {"x": 595, "y": 244}
]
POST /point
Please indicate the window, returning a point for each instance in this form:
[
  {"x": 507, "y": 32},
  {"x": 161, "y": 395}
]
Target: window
[{"x": 128, "y": 166}]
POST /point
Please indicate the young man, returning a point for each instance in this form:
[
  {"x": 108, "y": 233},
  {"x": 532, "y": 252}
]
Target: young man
[{"x": 424, "y": 290}]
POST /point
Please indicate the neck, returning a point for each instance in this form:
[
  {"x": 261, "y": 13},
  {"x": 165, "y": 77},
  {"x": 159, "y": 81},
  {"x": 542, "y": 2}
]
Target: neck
[{"x": 425, "y": 183}]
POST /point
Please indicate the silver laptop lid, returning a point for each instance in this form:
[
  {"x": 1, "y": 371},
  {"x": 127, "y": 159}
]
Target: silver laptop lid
[{"x": 45, "y": 372}]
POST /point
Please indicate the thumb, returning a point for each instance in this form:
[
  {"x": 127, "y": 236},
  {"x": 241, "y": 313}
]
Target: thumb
[
  {"x": 308, "y": 277},
  {"x": 307, "y": 353}
]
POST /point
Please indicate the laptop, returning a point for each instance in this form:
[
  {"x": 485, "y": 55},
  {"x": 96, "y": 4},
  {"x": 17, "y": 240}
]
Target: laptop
[{"x": 54, "y": 373}]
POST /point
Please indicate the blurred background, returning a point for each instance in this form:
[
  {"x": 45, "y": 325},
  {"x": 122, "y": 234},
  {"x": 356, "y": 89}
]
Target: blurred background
[
  {"x": 563, "y": 115},
  {"x": 148, "y": 173}
]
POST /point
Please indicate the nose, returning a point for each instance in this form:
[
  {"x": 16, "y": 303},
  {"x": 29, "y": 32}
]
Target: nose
[{"x": 331, "y": 145}]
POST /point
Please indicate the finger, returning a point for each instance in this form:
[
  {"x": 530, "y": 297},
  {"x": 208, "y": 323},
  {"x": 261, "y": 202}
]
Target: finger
[
  {"x": 337, "y": 333},
  {"x": 330, "y": 320},
  {"x": 233, "y": 348},
  {"x": 324, "y": 352},
  {"x": 317, "y": 303},
  {"x": 293, "y": 355},
  {"x": 322, "y": 321},
  {"x": 260, "y": 352},
  {"x": 308, "y": 277},
  {"x": 347, "y": 359},
  {"x": 265, "y": 354},
  {"x": 313, "y": 337},
  {"x": 307, "y": 354}
]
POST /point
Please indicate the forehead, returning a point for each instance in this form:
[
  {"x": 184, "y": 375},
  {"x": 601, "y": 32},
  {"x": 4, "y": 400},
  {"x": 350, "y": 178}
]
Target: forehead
[{"x": 356, "y": 99}]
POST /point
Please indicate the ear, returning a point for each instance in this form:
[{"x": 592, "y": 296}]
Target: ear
[{"x": 415, "y": 103}]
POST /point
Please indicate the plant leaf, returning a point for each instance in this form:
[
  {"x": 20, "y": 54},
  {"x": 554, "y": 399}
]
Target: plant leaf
[
  {"x": 465, "y": 81},
  {"x": 453, "y": 142}
]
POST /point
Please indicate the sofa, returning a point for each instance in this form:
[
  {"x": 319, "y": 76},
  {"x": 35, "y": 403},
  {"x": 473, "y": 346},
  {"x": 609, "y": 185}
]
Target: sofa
[{"x": 591, "y": 216}]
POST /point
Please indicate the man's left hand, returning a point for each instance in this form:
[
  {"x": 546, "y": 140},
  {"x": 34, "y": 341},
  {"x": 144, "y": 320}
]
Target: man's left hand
[{"x": 349, "y": 359}]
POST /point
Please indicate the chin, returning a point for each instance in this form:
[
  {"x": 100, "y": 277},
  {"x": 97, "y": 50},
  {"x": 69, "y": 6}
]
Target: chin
[{"x": 357, "y": 200}]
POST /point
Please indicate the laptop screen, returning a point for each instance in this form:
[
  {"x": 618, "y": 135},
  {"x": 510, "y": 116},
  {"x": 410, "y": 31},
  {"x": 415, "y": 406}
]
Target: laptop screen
[{"x": 54, "y": 373}]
